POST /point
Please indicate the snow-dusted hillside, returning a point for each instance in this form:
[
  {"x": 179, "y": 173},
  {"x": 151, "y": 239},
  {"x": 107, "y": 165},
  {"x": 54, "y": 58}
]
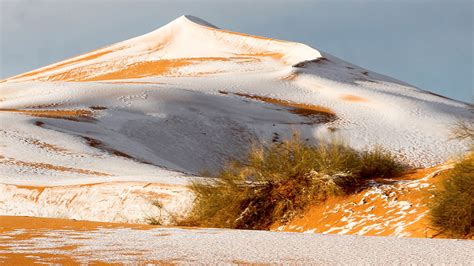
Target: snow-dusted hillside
[{"x": 162, "y": 107}]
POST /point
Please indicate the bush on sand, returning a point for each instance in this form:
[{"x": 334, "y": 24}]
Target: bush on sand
[{"x": 276, "y": 183}]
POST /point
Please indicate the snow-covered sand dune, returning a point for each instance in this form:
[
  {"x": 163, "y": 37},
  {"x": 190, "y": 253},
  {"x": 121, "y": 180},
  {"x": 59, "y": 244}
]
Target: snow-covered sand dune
[{"x": 162, "y": 107}]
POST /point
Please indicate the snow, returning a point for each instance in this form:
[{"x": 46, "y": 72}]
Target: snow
[
  {"x": 217, "y": 246},
  {"x": 181, "y": 114},
  {"x": 129, "y": 202},
  {"x": 173, "y": 41}
]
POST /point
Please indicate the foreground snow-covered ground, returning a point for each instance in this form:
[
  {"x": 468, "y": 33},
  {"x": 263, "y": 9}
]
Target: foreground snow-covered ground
[
  {"x": 160, "y": 108},
  {"x": 28, "y": 240}
]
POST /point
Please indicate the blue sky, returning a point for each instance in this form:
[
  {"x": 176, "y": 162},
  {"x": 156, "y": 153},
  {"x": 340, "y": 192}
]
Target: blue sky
[{"x": 426, "y": 43}]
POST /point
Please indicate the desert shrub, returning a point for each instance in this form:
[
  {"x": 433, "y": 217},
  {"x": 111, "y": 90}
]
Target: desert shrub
[
  {"x": 452, "y": 207},
  {"x": 379, "y": 162},
  {"x": 164, "y": 216},
  {"x": 276, "y": 183},
  {"x": 464, "y": 129}
]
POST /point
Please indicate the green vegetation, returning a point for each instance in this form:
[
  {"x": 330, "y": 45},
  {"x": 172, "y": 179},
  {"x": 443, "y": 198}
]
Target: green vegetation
[
  {"x": 452, "y": 207},
  {"x": 277, "y": 183}
]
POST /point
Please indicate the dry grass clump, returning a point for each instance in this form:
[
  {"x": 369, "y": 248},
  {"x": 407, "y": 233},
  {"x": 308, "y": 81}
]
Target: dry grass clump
[
  {"x": 452, "y": 208},
  {"x": 378, "y": 162},
  {"x": 276, "y": 183},
  {"x": 156, "y": 220},
  {"x": 464, "y": 130}
]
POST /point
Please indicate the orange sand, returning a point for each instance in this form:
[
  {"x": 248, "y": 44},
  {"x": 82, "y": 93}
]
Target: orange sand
[
  {"x": 75, "y": 115},
  {"x": 48, "y": 166},
  {"x": 37, "y": 227},
  {"x": 353, "y": 98},
  {"x": 47, "y": 146},
  {"x": 76, "y": 59},
  {"x": 301, "y": 109},
  {"x": 373, "y": 210},
  {"x": 163, "y": 67}
]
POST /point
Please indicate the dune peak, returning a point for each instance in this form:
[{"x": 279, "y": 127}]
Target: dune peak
[{"x": 196, "y": 20}]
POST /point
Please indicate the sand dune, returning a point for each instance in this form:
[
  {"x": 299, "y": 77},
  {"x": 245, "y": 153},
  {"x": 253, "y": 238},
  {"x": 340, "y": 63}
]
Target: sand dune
[{"x": 84, "y": 137}]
